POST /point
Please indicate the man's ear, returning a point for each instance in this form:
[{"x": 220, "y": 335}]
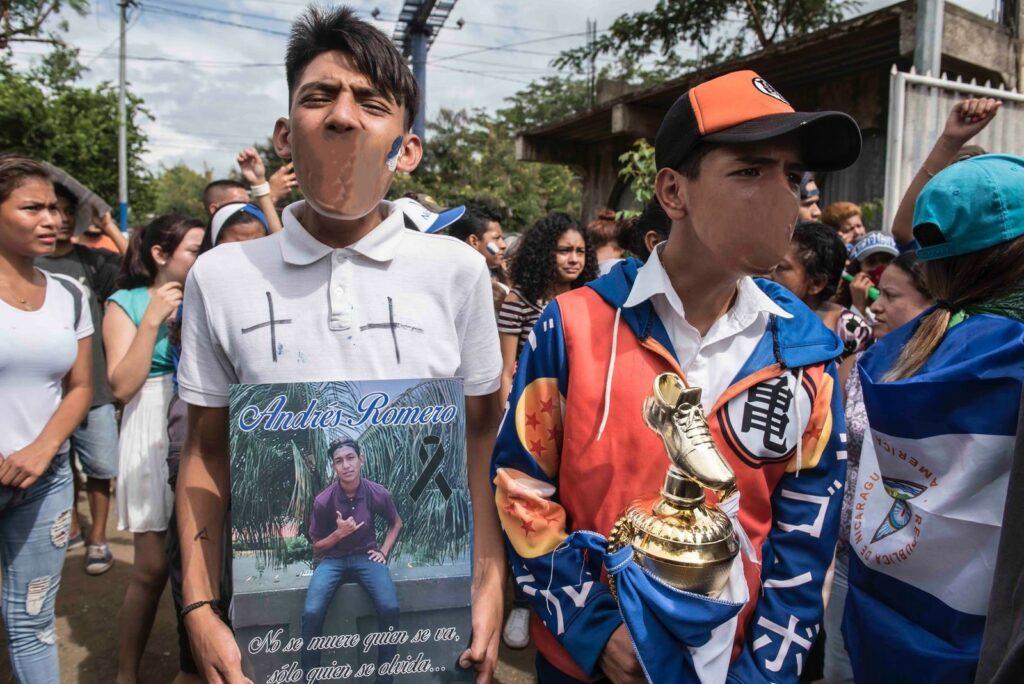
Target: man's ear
[
  {"x": 651, "y": 240},
  {"x": 473, "y": 241},
  {"x": 670, "y": 189},
  {"x": 410, "y": 153},
  {"x": 282, "y": 138}
]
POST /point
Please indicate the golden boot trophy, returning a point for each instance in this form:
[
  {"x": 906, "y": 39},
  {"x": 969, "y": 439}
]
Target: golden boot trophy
[{"x": 676, "y": 537}]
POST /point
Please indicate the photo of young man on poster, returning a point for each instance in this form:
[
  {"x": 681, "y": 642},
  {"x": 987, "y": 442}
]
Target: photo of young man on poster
[{"x": 342, "y": 531}]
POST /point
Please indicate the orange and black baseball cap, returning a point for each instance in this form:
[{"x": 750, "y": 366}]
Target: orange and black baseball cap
[{"x": 741, "y": 107}]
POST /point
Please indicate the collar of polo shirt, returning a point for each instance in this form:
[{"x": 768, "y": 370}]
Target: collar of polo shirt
[{"x": 299, "y": 248}]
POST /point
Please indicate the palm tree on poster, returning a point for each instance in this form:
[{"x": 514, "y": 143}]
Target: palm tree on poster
[{"x": 277, "y": 474}]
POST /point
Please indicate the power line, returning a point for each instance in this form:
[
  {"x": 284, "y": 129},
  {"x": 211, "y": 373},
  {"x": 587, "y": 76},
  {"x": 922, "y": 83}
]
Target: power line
[
  {"x": 168, "y": 4},
  {"x": 134, "y": 21},
  {"x": 485, "y": 48},
  {"x": 189, "y": 15},
  {"x": 480, "y": 73}
]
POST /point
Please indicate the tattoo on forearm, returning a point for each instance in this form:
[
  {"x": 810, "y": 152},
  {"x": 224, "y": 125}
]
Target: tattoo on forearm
[{"x": 201, "y": 536}]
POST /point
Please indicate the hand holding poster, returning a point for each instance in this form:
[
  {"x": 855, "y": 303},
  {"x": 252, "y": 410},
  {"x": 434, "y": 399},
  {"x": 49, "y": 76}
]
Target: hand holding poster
[{"x": 350, "y": 531}]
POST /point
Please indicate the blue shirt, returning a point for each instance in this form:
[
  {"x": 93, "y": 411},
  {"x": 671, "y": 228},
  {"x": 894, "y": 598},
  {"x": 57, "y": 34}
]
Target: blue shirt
[{"x": 134, "y": 303}]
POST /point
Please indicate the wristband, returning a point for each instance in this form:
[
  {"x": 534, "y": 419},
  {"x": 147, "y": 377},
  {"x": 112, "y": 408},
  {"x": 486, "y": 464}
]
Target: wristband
[
  {"x": 261, "y": 190},
  {"x": 199, "y": 604}
]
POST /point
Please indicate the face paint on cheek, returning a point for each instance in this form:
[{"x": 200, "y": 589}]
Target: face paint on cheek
[{"x": 392, "y": 160}]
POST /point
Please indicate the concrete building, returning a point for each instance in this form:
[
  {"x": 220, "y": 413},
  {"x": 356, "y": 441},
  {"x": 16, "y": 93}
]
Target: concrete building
[{"x": 845, "y": 67}]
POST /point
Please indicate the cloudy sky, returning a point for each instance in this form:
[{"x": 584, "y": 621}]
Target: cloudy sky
[{"x": 211, "y": 71}]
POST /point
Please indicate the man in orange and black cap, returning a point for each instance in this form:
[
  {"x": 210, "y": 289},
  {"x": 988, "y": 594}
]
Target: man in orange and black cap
[{"x": 574, "y": 451}]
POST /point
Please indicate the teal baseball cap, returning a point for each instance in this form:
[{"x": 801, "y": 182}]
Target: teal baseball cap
[{"x": 969, "y": 206}]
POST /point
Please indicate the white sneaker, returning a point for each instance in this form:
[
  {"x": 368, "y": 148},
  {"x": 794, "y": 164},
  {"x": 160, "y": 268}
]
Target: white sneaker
[
  {"x": 98, "y": 559},
  {"x": 517, "y": 628}
]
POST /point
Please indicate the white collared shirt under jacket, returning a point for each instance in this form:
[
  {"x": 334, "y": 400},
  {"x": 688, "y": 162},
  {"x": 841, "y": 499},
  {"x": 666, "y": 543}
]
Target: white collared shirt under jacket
[{"x": 710, "y": 362}]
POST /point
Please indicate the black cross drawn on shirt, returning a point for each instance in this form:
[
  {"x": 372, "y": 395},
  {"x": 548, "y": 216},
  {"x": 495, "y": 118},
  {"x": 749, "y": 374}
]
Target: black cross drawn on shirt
[
  {"x": 393, "y": 326},
  {"x": 271, "y": 323}
]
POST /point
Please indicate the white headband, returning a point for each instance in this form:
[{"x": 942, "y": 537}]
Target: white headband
[{"x": 221, "y": 216}]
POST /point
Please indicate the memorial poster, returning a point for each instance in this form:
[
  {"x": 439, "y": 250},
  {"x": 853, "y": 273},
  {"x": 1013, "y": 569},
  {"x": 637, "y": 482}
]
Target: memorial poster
[{"x": 350, "y": 529}]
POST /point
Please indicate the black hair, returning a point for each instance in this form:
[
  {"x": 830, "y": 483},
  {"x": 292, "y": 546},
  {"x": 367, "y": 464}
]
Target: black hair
[
  {"x": 320, "y": 30},
  {"x": 911, "y": 265},
  {"x": 64, "y": 192},
  {"x": 475, "y": 221},
  {"x": 238, "y": 218},
  {"x": 533, "y": 267},
  {"x": 822, "y": 253},
  {"x": 653, "y": 217},
  {"x": 15, "y": 170},
  {"x": 690, "y": 166},
  {"x": 468, "y": 224},
  {"x": 485, "y": 212},
  {"x": 218, "y": 185},
  {"x": 344, "y": 442},
  {"x": 138, "y": 269}
]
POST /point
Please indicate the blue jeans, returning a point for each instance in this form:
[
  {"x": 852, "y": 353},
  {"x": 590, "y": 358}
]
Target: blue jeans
[
  {"x": 373, "y": 577},
  {"x": 838, "y": 669},
  {"x": 34, "y": 525},
  {"x": 95, "y": 442}
]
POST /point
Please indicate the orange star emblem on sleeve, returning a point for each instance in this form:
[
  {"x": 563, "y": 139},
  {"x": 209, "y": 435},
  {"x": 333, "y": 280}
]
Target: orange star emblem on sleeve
[
  {"x": 527, "y": 527},
  {"x": 531, "y": 420},
  {"x": 547, "y": 405}
]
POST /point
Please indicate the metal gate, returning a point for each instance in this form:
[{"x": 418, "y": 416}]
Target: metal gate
[{"x": 918, "y": 108}]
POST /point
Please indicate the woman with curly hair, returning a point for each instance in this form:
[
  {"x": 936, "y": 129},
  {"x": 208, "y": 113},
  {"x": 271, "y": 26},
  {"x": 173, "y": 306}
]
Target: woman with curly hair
[{"x": 554, "y": 256}]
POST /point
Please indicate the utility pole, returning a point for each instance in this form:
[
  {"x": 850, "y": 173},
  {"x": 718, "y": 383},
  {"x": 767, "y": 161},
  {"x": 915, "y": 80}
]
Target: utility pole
[
  {"x": 419, "y": 72},
  {"x": 122, "y": 125},
  {"x": 417, "y": 26},
  {"x": 928, "y": 37},
  {"x": 592, "y": 65}
]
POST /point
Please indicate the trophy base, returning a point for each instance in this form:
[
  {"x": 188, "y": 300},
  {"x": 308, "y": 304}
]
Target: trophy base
[{"x": 689, "y": 548}]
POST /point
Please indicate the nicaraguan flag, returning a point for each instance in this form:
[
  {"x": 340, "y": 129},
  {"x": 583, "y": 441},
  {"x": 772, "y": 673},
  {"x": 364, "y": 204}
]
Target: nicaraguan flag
[{"x": 928, "y": 502}]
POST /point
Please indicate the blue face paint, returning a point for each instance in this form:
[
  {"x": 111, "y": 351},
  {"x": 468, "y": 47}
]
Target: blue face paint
[{"x": 392, "y": 159}]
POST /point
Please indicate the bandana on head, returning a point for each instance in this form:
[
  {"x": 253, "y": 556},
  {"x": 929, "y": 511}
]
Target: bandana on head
[
  {"x": 228, "y": 210},
  {"x": 806, "y": 194}
]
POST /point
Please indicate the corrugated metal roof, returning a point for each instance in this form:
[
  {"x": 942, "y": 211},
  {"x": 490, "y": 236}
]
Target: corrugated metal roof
[{"x": 872, "y": 40}]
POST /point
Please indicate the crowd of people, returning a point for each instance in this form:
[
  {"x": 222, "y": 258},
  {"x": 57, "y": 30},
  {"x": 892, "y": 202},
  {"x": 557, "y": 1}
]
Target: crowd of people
[{"x": 864, "y": 385}]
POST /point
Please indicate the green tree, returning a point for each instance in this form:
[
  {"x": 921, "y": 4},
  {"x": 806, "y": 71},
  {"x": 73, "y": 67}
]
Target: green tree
[
  {"x": 25, "y": 21},
  {"x": 638, "y": 170},
  {"x": 46, "y": 115},
  {"x": 721, "y": 29},
  {"x": 470, "y": 156},
  {"x": 547, "y": 99},
  {"x": 179, "y": 189}
]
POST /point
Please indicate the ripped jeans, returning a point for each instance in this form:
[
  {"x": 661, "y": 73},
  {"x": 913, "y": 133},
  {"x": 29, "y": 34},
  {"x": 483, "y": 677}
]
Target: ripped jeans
[{"x": 34, "y": 525}]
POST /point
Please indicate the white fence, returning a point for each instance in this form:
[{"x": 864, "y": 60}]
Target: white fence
[{"x": 918, "y": 108}]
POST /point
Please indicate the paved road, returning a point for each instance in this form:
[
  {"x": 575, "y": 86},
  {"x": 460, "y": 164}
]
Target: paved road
[{"x": 87, "y": 610}]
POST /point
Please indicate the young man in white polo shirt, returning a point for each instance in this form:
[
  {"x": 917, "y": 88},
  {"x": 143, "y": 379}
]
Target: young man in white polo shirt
[{"x": 345, "y": 291}]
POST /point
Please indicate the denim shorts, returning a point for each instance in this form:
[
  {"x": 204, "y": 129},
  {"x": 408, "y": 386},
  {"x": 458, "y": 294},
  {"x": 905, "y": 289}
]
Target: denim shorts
[{"x": 95, "y": 443}]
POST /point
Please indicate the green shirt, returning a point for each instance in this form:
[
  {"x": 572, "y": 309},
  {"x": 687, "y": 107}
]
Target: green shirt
[{"x": 134, "y": 303}]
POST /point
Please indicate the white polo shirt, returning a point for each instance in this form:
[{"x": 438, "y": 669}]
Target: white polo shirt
[
  {"x": 287, "y": 308},
  {"x": 710, "y": 362}
]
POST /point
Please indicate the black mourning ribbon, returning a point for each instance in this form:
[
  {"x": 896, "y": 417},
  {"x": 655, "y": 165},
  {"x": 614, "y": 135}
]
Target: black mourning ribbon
[{"x": 430, "y": 468}]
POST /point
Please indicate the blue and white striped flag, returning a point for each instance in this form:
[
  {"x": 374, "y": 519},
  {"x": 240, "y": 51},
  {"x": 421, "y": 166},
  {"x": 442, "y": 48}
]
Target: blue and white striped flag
[{"x": 929, "y": 500}]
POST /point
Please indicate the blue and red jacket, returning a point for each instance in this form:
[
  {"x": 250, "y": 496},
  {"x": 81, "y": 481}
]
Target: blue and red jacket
[{"x": 573, "y": 451}]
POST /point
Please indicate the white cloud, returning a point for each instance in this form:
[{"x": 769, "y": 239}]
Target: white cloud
[{"x": 209, "y": 105}]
